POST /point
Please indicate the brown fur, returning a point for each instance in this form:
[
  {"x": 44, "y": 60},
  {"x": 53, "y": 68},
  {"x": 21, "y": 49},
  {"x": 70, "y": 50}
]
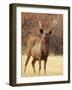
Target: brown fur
[{"x": 38, "y": 48}]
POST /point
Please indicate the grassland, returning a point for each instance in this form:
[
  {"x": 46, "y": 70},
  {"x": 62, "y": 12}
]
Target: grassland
[{"x": 54, "y": 66}]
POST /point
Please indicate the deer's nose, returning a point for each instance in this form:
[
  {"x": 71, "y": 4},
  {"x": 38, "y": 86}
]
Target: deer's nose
[{"x": 45, "y": 34}]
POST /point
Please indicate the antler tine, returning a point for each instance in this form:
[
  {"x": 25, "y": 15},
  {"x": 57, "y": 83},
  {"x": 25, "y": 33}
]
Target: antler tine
[
  {"x": 39, "y": 22},
  {"x": 54, "y": 22}
]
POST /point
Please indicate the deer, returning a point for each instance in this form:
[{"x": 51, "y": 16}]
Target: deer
[{"x": 38, "y": 48}]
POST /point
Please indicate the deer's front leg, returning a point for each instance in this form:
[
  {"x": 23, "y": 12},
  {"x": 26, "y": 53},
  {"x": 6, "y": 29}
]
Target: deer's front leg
[
  {"x": 33, "y": 64},
  {"x": 39, "y": 66},
  {"x": 45, "y": 61}
]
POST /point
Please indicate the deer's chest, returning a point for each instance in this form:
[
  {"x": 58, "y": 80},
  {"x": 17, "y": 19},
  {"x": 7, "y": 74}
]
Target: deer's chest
[
  {"x": 40, "y": 51},
  {"x": 44, "y": 52}
]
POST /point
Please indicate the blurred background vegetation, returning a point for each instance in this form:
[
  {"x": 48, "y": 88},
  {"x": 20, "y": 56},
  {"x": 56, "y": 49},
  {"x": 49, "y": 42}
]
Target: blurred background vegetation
[{"x": 29, "y": 26}]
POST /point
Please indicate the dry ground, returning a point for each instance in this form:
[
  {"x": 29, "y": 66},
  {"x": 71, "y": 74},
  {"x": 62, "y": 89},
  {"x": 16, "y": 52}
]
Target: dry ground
[{"x": 54, "y": 66}]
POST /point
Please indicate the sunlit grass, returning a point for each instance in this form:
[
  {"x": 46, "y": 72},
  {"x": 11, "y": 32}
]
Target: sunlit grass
[{"x": 54, "y": 66}]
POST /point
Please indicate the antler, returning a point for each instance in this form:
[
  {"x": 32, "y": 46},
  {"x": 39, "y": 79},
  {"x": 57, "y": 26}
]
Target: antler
[
  {"x": 54, "y": 23},
  {"x": 39, "y": 22}
]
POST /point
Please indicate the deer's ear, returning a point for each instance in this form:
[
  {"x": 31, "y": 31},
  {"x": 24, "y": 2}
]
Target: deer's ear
[
  {"x": 41, "y": 30},
  {"x": 50, "y": 32}
]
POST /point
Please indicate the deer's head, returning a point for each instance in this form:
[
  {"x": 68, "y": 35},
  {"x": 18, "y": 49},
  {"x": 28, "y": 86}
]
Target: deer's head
[{"x": 46, "y": 34}]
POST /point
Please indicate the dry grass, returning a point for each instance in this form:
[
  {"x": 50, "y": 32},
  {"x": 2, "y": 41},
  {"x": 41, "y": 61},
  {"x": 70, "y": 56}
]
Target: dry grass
[{"x": 54, "y": 66}]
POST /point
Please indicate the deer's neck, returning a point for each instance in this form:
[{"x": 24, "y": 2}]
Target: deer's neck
[
  {"x": 45, "y": 46},
  {"x": 45, "y": 42}
]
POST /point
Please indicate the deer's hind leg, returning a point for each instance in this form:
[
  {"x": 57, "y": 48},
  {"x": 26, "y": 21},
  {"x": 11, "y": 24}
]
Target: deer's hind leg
[
  {"x": 33, "y": 65},
  {"x": 28, "y": 57}
]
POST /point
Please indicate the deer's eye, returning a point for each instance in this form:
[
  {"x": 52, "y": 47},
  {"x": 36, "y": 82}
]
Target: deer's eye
[
  {"x": 41, "y": 30},
  {"x": 50, "y": 32}
]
